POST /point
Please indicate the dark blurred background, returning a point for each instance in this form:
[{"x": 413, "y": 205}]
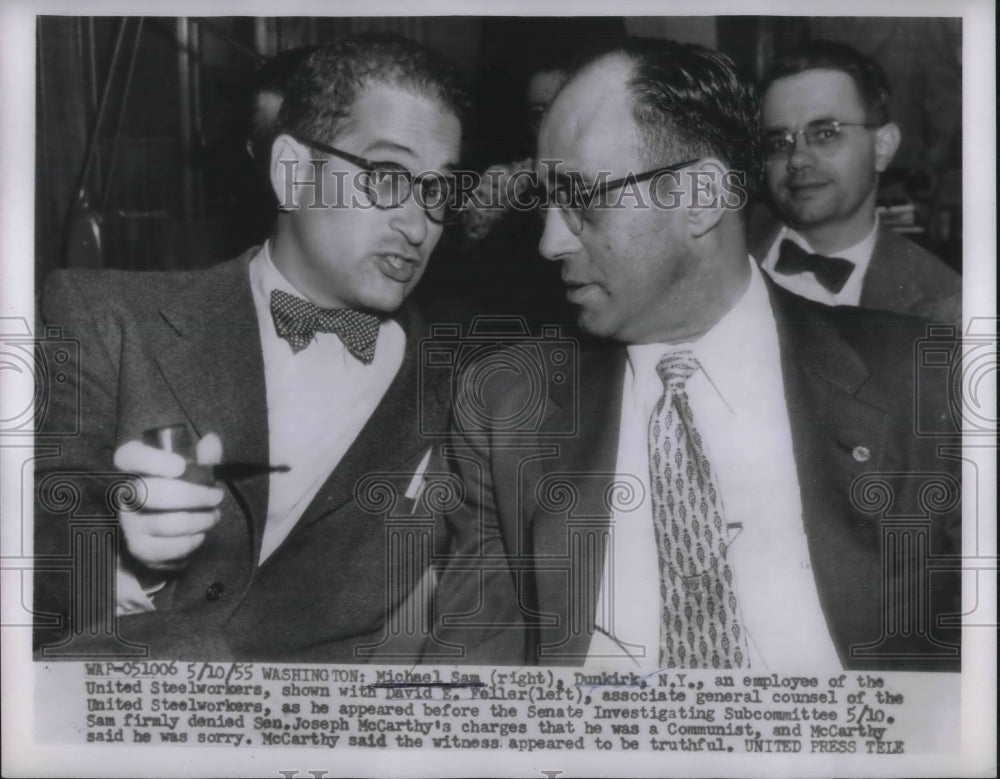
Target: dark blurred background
[{"x": 141, "y": 122}]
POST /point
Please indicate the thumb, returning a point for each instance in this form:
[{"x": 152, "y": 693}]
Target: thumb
[{"x": 209, "y": 450}]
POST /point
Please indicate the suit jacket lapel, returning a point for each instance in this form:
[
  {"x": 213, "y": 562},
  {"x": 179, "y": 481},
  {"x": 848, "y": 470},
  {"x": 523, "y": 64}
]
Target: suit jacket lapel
[
  {"x": 568, "y": 540},
  {"x": 890, "y": 281},
  {"x": 393, "y": 435},
  {"x": 837, "y": 435},
  {"x": 212, "y": 362}
]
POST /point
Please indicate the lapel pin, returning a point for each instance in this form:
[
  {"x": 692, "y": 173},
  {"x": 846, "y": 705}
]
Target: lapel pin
[
  {"x": 418, "y": 482},
  {"x": 861, "y": 454}
]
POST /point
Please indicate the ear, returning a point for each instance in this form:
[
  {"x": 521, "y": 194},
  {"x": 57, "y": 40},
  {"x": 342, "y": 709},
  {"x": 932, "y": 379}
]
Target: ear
[
  {"x": 887, "y": 138},
  {"x": 287, "y": 169},
  {"x": 707, "y": 195}
]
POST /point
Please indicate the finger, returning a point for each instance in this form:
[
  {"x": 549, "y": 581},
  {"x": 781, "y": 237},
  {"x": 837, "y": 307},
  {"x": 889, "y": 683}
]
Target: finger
[
  {"x": 209, "y": 450},
  {"x": 176, "y": 495},
  {"x": 136, "y": 457},
  {"x": 163, "y": 553},
  {"x": 169, "y": 524}
]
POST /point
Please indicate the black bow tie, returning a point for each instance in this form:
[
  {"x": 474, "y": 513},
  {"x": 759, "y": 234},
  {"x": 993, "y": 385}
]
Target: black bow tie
[
  {"x": 297, "y": 321},
  {"x": 831, "y": 272}
]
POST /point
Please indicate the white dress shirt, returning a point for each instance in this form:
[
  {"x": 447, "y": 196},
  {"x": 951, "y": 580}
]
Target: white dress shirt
[
  {"x": 806, "y": 285},
  {"x": 318, "y": 401},
  {"x": 738, "y": 402}
]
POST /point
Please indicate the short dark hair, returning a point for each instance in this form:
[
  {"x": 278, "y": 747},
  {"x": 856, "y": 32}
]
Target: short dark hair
[
  {"x": 323, "y": 90},
  {"x": 689, "y": 101},
  {"x": 867, "y": 75}
]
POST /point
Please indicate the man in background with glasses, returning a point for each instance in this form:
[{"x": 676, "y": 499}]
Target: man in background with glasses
[
  {"x": 295, "y": 367},
  {"x": 827, "y": 137},
  {"x": 683, "y": 497}
]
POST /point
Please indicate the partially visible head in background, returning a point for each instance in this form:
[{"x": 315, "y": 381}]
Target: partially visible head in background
[
  {"x": 548, "y": 62},
  {"x": 267, "y": 92},
  {"x": 541, "y": 87}
]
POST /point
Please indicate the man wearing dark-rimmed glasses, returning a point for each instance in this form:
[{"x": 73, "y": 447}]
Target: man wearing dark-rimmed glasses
[
  {"x": 298, "y": 360},
  {"x": 385, "y": 184},
  {"x": 827, "y": 138},
  {"x": 683, "y": 495}
]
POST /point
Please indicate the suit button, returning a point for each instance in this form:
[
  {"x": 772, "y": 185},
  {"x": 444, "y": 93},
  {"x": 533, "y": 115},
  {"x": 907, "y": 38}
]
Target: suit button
[{"x": 214, "y": 592}]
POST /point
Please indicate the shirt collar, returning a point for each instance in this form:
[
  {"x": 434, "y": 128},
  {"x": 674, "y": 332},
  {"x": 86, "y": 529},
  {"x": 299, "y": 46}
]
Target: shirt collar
[
  {"x": 727, "y": 353},
  {"x": 269, "y": 277}
]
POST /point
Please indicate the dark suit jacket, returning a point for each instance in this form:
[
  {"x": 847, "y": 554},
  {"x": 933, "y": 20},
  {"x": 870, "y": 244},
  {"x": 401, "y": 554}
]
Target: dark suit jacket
[
  {"x": 162, "y": 348},
  {"x": 528, "y": 550},
  {"x": 902, "y": 276}
]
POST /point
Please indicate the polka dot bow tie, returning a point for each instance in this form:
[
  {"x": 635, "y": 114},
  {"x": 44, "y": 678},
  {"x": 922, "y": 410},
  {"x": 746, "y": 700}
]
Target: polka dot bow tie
[{"x": 297, "y": 321}]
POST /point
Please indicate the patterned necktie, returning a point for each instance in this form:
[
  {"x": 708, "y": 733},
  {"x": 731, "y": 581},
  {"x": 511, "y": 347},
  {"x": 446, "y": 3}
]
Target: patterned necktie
[
  {"x": 699, "y": 624},
  {"x": 831, "y": 272},
  {"x": 297, "y": 321}
]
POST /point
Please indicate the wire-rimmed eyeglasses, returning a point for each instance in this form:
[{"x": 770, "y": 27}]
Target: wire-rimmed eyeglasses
[{"x": 822, "y": 136}]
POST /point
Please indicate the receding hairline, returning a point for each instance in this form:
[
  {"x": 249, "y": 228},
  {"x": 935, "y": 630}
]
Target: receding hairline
[
  {"x": 574, "y": 78},
  {"x": 623, "y": 67}
]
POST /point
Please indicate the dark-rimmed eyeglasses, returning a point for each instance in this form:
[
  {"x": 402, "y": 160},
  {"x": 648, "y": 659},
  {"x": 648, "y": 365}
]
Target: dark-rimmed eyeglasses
[
  {"x": 822, "y": 136},
  {"x": 577, "y": 202},
  {"x": 389, "y": 184}
]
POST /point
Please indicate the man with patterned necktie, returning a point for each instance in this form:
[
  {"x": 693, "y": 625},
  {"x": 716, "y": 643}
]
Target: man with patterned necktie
[
  {"x": 689, "y": 496},
  {"x": 827, "y": 138},
  {"x": 302, "y": 354}
]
